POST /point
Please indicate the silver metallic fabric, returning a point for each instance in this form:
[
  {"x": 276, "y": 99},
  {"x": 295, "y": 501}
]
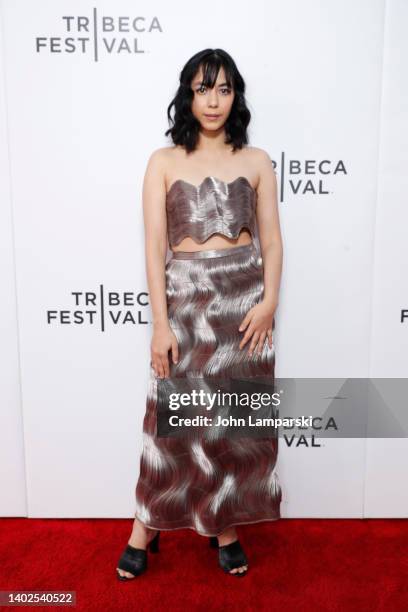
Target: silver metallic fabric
[
  {"x": 202, "y": 483},
  {"x": 214, "y": 206}
]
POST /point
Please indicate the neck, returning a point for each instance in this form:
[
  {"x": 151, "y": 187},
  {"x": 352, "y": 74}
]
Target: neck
[{"x": 213, "y": 141}]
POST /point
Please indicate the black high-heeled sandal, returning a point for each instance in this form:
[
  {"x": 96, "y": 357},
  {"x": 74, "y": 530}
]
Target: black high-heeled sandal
[
  {"x": 134, "y": 560},
  {"x": 231, "y": 556}
]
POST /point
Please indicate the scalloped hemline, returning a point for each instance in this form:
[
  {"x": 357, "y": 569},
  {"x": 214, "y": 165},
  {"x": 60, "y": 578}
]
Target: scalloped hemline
[{"x": 223, "y": 233}]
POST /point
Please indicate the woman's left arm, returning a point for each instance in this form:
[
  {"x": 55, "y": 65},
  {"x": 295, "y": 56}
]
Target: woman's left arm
[{"x": 259, "y": 319}]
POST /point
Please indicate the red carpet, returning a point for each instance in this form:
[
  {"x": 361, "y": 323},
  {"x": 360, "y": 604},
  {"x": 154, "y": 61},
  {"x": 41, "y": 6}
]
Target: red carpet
[{"x": 295, "y": 564}]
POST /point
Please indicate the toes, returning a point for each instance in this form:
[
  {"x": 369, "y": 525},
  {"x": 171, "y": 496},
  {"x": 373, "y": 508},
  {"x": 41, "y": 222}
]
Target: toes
[
  {"x": 239, "y": 570},
  {"x": 122, "y": 573}
]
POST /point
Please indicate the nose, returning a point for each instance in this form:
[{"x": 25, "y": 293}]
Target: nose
[{"x": 213, "y": 98}]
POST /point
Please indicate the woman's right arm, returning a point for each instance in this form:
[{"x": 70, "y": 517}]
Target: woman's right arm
[{"x": 155, "y": 227}]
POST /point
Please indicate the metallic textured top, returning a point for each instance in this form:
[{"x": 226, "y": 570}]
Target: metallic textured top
[{"x": 214, "y": 206}]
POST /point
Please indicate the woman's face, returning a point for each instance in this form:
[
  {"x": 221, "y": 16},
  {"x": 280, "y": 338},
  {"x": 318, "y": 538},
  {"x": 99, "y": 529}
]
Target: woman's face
[{"x": 211, "y": 107}]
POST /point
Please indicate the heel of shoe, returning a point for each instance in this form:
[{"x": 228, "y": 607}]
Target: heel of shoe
[
  {"x": 154, "y": 544},
  {"x": 213, "y": 542}
]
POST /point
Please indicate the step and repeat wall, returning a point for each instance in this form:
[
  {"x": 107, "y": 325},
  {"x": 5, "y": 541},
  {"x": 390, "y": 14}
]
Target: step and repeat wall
[{"x": 84, "y": 93}]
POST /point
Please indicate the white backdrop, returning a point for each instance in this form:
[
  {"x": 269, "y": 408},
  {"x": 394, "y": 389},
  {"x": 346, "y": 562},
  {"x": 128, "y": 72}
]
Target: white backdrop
[{"x": 83, "y": 104}]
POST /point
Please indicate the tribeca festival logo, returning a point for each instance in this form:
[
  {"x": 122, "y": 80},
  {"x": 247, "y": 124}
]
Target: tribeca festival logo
[
  {"x": 318, "y": 425},
  {"x": 306, "y": 177},
  {"x": 102, "y": 309},
  {"x": 96, "y": 35}
]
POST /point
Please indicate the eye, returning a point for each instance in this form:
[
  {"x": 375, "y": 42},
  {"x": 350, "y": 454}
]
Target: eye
[
  {"x": 225, "y": 90},
  {"x": 200, "y": 89}
]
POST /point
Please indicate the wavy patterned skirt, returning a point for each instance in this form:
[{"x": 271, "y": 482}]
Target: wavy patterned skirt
[{"x": 203, "y": 482}]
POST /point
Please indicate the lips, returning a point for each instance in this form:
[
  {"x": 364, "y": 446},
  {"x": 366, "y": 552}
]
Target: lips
[{"x": 211, "y": 116}]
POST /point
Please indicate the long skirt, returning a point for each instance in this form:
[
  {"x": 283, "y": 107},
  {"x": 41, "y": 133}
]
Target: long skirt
[{"x": 205, "y": 482}]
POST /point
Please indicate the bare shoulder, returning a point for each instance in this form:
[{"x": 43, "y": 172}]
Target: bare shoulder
[
  {"x": 161, "y": 159},
  {"x": 264, "y": 170},
  {"x": 160, "y": 156},
  {"x": 259, "y": 156},
  {"x": 263, "y": 166},
  {"x": 158, "y": 163}
]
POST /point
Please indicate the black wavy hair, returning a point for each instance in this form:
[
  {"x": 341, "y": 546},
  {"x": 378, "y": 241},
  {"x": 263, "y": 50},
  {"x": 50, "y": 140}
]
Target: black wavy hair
[{"x": 185, "y": 127}]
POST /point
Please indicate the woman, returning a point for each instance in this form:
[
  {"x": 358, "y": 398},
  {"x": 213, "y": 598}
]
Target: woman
[{"x": 213, "y": 306}]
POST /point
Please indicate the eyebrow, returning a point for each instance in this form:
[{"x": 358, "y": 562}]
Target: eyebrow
[{"x": 220, "y": 85}]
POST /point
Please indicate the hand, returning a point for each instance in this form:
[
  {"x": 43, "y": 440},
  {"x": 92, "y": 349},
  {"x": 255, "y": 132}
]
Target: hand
[
  {"x": 163, "y": 340},
  {"x": 258, "y": 322}
]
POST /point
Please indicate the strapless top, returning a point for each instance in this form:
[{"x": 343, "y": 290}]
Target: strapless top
[{"x": 214, "y": 206}]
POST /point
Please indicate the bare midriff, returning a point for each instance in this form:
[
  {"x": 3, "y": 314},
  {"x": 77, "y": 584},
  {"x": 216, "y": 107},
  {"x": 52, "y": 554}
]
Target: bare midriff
[{"x": 216, "y": 241}]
